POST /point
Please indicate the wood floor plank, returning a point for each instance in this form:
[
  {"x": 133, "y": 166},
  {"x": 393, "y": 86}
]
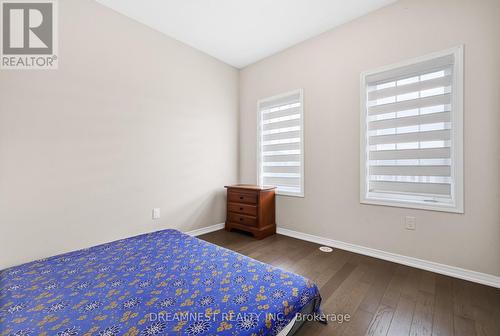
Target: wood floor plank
[
  {"x": 323, "y": 267},
  {"x": 379, "y": 326},
  {"x": 378, "y": 287},
  {"x": 383, "y": 298},
  {"x": 463, "y": 326},
  {"x": 325, "y": 270},
  {"x": 484, "y": 311},
  {"x": 287, "y": 260},
  {"x": 393, "y": 291},
  {"x": 336, "y": 280},
  {"x": 304, "y": 265},
  {"x": 443, "y": 307},
  {"x": 410, "y": 286},
  {"x": 485, "y": 323},
  {"x": 422, "y": 318},
  {"x": 345, "y": 300},
  {"x": 359, "y": 323},
  {"x": 462, "y": 293},
  {"x": 403, "y": 316},
  {"x": 427, "y": 282}
]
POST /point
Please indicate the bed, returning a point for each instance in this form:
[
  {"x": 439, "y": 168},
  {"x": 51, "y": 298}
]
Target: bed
[{"x": 161, "y": 283}]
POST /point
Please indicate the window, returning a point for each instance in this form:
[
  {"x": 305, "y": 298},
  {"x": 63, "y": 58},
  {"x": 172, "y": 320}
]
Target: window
[
  {"x": 281, "y": 143},
  {"x": 411, "y": 133}
]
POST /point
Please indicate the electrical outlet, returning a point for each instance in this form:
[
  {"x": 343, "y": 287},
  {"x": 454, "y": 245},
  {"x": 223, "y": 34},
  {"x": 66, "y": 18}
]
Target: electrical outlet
[
  {"x": 410, "y": 223},
  {"x": 156, "y": 213}
]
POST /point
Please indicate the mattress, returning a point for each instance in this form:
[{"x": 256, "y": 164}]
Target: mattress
[{"x": 161, "y": 283}]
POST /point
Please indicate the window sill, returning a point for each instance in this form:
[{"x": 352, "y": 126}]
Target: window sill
[
  {"x": 284, "y": 193},
  {"x": 453, "y": 208}
]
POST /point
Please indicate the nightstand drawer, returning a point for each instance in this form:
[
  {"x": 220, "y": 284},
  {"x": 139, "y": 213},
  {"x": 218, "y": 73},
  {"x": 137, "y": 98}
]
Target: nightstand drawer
[
  {"x": 242, "y": 208},
  {"x": 237, "y": 197},
  {"x": 242, "y": 219}
]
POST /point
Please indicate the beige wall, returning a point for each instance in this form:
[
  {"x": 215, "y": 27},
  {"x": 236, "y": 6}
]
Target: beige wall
[
  {"x": 328, "y": 68},
  {"x": 131, "y": 120}
]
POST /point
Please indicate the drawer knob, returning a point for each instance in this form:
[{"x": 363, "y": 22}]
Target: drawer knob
[
  {"x": 241, "y": 208},
  {"x": 241, "y": 219},
  {"x": 241, "y": 197}
]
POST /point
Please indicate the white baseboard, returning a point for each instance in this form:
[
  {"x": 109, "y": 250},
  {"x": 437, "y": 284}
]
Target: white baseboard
[
  {"x": 205, "y": 229},
  {"x": 457, "y": 272}
]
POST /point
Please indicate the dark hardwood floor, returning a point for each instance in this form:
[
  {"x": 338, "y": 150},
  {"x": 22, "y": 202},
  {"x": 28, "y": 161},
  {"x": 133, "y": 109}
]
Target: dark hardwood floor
[{"x": 383, "y": 298}]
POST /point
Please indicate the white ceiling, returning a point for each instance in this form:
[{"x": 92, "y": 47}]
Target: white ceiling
[{"x": 241, "y": 32}]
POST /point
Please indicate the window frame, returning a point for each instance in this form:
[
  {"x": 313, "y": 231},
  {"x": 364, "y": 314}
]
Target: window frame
[
  {"x": 457, "y": 139},
  {"x": 301, "y": 194}
]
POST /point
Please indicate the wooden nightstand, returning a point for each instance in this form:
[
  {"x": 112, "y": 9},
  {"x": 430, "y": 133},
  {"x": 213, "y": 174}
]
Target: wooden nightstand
[{"x": 250, "y": 208}]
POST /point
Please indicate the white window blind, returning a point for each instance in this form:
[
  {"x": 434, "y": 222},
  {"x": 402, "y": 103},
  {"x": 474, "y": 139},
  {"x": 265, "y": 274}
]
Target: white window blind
[
  {"x": 411, "y": 151},
  {"x": 280, "y": 143}
]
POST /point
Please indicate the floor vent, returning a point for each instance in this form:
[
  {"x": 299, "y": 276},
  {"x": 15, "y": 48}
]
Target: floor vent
[{"x": 325, "y": 249}]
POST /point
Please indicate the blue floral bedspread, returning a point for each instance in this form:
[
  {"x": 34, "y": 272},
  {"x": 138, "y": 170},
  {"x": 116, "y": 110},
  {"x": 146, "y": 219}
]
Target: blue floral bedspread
[{"x": 161, "y": 283}]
